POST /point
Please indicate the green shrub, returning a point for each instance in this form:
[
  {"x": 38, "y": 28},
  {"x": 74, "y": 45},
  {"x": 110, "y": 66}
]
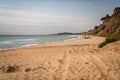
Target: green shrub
[
  {"x": 102, "y": 44},
  {"x": 109, "y": 39}
]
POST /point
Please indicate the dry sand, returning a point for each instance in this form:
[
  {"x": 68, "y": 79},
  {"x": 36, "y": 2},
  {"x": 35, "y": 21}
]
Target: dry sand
[{"x": 70, "y": 60}]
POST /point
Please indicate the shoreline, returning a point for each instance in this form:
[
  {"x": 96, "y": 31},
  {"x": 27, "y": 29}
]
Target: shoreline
[
  {"x": 52, "y": 43},
  {"x": 30, "y": 45}
]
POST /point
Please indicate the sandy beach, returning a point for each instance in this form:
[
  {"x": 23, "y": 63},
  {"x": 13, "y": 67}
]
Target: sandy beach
[{"x": 79, "y": 59}]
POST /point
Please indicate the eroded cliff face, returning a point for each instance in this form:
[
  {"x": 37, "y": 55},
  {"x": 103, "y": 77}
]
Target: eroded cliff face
[{"x": 110, "y": 25}]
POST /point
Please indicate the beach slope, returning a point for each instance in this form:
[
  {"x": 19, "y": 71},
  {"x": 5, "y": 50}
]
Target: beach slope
[{"x": 79, "y": 59}]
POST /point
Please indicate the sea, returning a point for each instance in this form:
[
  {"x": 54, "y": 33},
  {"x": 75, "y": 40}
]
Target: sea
[{"x": 14, "y": 41}]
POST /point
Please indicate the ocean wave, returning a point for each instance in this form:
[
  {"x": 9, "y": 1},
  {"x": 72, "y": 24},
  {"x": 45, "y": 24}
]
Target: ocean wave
[
  {"x": 29, "y": 45},
  {"x": 20, "y": 40},
  {"x": 47, "y": 42},
  {"x": 74, "y": 36},
  {"x": 24, "y": 40},
  {"x": 5, "y": 42}
]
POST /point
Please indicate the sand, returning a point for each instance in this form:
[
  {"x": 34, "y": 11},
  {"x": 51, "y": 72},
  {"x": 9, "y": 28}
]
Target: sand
[{"x": 79, "y": 59}]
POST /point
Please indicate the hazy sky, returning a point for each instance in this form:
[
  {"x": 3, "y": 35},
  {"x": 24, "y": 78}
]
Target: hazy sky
[{"x": 52, "y": 16}]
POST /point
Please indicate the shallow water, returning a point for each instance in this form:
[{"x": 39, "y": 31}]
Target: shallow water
[{"x": 13, "y": 41}]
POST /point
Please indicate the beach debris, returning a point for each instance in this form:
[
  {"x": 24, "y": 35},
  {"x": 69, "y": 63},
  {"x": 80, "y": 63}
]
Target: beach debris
[
  {"x": 27, "y": 70},
  {"x": 10, "y": 69},
  {"x": 61, "y": 61}
]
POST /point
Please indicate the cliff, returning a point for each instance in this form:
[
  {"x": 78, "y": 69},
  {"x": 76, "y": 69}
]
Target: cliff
[{"x": 110, "y": 25}]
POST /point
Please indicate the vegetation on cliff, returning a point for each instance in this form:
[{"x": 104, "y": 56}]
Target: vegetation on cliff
[{"x": 110, "y": 28}]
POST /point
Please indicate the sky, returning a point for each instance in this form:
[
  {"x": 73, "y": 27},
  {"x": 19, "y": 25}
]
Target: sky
[{"x": 39, "y": 17}]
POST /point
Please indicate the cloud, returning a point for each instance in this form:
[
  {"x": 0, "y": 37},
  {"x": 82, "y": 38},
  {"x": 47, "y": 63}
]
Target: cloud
[
  {"x": 4, "y": 6},
  {"x": 14, "y": 21},
  {"x": 19, "y": 17}
]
